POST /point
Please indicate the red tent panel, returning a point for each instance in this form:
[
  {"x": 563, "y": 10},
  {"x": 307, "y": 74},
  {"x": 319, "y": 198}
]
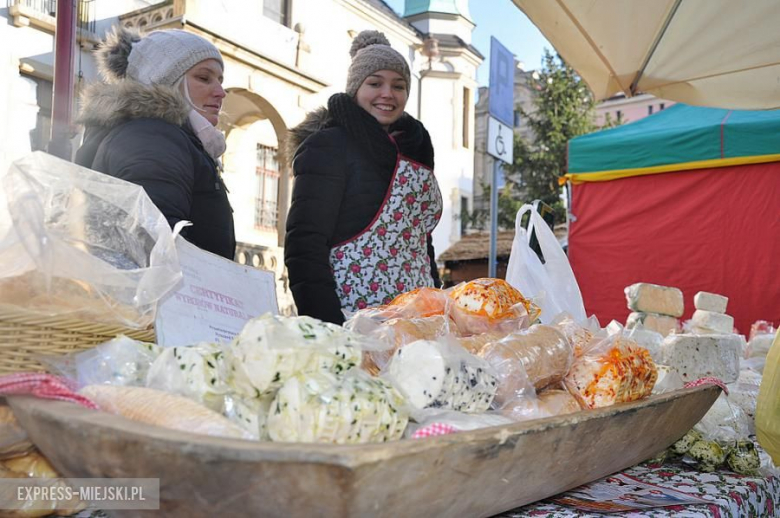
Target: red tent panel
[{"x": 714, "y": 230}]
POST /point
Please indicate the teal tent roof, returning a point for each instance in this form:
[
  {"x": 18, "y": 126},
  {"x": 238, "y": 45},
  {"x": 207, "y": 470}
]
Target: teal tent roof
[{"x": 678, "y": 138}]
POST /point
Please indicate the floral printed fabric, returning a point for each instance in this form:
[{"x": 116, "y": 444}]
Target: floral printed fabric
[
  {"x": 732, "y": 495},
  {"x": 390, "y": 257}
]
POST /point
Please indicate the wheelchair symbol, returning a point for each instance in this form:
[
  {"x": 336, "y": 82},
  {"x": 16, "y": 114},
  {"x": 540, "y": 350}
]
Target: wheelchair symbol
[{"x": 500, "y": 147}]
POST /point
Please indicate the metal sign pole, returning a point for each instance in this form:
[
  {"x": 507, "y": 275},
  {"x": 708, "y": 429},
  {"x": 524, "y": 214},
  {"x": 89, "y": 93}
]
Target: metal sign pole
[
  {"x": 492, "y": 259},
  {"x": 500, "y": 136}
]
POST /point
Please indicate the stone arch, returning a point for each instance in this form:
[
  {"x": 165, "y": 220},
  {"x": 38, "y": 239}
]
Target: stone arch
[{"x": 243, "y": 107}]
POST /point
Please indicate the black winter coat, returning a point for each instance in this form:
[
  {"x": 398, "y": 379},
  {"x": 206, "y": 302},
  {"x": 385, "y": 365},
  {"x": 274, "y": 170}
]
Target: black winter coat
[
  {"x": 141, "y": 134},
  {"x": 343, "y": 162}
]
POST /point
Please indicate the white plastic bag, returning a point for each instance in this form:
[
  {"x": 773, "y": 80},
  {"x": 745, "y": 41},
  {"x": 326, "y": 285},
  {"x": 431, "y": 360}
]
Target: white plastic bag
[
  {"x": 551, "y": 285},
  {"x": 83, "y": 244}
]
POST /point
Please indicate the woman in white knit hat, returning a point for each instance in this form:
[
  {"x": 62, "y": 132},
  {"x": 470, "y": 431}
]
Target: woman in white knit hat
[
  {"x": 153, "y": 123},
  {"x": 365, "y": 200}
]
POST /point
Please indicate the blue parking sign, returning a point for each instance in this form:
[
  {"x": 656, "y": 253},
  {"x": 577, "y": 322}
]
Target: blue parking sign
[{"x": 501, "y": 102}]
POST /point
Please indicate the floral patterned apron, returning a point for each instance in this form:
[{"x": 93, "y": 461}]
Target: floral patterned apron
[{"x": 390, "y": 256}]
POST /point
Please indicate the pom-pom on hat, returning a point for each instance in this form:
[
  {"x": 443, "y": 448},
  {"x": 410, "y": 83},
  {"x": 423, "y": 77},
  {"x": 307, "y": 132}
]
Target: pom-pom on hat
[
  {"x": 371, "y": 51},
  {"x": 158, "y": 58}
]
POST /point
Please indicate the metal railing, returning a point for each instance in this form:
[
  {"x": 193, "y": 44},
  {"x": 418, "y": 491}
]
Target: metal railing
[{"x": 266, "y": 214}]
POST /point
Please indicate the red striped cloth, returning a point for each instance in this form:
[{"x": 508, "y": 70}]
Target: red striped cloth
[
  {"x": 44, "y": 386},
  {"x": 434, "y": 429},
  {"x": 708, "y": 381}
]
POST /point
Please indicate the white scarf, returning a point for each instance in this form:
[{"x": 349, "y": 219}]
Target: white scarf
[{"x": 212, "y": 139}]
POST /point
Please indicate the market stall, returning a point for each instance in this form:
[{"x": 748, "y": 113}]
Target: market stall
[{"x": 685, "y": 198}]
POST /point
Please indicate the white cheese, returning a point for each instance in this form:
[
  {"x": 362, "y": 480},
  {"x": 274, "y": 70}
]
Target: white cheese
[
  {"x": 662, "y": 324},
  {"x": 668, "y": 380},
  {"x": 272, "y": 349},
  {"x": 759, "y": 346},
  {"x": 744, "y": 396},
  {"x": 350, "y": 409},
  {"x": 699, "y": 356},
  {"x": 714, "y": 322},
  {"x": 193, "y": 371},
  {"x": 710, "y": 302},
  {"x": 437, "y": 375},
  {"x": 651, "y": 298}
]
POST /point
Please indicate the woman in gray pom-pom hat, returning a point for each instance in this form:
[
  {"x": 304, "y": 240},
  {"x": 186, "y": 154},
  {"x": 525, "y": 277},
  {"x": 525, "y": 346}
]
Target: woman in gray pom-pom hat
[
  {"x": 153, "y": 122},
  {"x": 365, "y": 200}
]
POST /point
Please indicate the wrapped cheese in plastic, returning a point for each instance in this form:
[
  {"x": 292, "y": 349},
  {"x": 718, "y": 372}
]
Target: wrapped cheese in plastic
[
  {"x": 271, "y": 349},
  {"x": 401, "y": 331},
  {"x": 251, "y": 414},
  {"x": 194, "y": 371},
  {"x": 418, "y": 303},
  {"x": 442, "y": 375},
  {"x": 578, "y": 335},
  {"x": 490, "y": 306},
  {"x": 121, "y": 361},
  {"x": 354, "y": 408},
  {"x": 555, "y": 401},
  {"x": 543, "y": 352},
  {"x": 159, "y": 408},
  {"x": 615, "y": 370}
]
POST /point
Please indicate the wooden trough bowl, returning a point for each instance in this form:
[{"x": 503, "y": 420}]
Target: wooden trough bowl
[{"x": 477, "y": 473}]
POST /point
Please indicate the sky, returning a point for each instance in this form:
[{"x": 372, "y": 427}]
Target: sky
[{"x": 503, "y": 20}]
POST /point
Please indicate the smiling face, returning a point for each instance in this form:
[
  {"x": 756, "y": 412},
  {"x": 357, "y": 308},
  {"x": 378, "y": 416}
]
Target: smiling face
[
  {"x": 383, "y": 94},
  {"x": 204, "y": 84}
]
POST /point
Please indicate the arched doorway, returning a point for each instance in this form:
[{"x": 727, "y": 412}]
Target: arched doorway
[{"x": 258, "y": 180}]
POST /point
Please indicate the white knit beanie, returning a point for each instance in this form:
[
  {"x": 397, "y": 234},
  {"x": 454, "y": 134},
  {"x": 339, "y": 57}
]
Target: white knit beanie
[{"x": 159, "y": 58}]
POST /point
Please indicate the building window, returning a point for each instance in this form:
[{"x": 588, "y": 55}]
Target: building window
[
  {"x": 661, "y": 106},
  {"x": 517, "y": 118},
  {"x": 619, "y": 116},
  {"x": 278, "y": 11},
  {"x": 466, "y": 116},
  {"x": 650, "y": 109},
  {"x": 266, "y": 203}
]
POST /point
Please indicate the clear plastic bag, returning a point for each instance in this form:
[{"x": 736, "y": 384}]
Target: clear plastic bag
[
  {"x": 552, "y": 284},
  {"x": 83, "y": 244},
  {"x": 13, "y": 439}
]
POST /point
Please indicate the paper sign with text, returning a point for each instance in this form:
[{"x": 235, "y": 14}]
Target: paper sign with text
[{"x": 214, "y": 300}]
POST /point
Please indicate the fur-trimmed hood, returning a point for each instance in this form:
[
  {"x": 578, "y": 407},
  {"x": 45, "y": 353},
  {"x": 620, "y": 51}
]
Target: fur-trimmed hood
[
  {"x": 314, "y": 122},
  {"x": 107, "y": 105}
]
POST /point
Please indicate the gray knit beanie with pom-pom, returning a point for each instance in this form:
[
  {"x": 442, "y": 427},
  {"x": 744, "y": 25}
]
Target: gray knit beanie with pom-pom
[
  {"x": 158, "y": 58},
  {"x": 371, "y": 52}
]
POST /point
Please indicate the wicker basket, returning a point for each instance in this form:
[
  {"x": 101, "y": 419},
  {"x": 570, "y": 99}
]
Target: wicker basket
[{"x": 25, "y": 334}]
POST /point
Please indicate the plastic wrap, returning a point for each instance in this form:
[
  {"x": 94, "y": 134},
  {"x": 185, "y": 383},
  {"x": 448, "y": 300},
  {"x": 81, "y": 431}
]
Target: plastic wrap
[
  {"x": 701, "y": 356},
  {"x": 354, "y": 408},
  {"x": 195, "y": 371},
  {"x": 271, "y": 349},
  {"x": 83, "y": 245},
  {"x": 614, "y": 370},
  {"x": 759, "y": 345},
  {"x": 761, "y": 327},
  {"x": 543, "y": 352},
  {"x": 417, "y": 303},
  {"x": 668, "y": 380},
  {"x": 437, "y": 374},
  {"x": 13, "y": 439},
  {"x": 121, "y": 361},
  {"x": 399, "y": 332},
  {"x": 744, "y": 394},
  {"x": 162, "y": 409},
  {"x": 490, "y": 306},
  {"x": 579, "y": 335},
  {"x": 460, "y": 421}
]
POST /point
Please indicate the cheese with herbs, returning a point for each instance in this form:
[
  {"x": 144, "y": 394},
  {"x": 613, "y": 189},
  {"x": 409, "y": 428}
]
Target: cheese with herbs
[
  {"x": 192, "y": 371},
  {"x": 272, "y": 349},
  {"x": 353, "y": 408}
]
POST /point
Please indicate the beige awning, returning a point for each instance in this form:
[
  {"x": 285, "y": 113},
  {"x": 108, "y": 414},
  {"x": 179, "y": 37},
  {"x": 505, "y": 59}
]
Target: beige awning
[{"x": 719, "y": 53}]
